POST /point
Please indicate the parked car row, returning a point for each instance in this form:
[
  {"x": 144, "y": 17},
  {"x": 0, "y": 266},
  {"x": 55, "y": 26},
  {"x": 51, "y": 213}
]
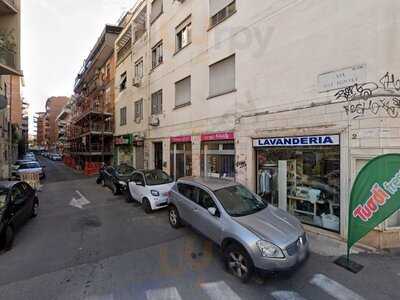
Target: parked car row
[
  {"x": 28, "y": 164},
  {"x": 52, "y": 155},
  {"x": 254, "y": 236}
]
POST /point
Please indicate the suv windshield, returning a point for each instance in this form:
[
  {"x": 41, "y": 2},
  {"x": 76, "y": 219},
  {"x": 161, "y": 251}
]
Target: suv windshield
[
  {"x": 157, "y": 177},
  {"x": 239, "y": 201},
  {"x": 125, "y": 170}
]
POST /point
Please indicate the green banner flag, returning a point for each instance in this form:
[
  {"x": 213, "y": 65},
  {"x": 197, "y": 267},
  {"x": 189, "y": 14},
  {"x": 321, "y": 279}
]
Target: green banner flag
[{"x": 375, "y": 196}]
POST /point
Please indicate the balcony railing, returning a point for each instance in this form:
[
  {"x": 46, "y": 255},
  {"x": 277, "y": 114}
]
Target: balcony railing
[{"x": 7, "y": 57}]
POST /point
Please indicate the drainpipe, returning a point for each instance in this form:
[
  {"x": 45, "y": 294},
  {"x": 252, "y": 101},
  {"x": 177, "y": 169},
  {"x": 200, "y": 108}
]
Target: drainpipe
[{"x": 10, "y": 131}]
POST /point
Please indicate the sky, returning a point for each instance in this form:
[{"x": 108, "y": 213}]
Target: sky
[{"x": 57, "y": 35}]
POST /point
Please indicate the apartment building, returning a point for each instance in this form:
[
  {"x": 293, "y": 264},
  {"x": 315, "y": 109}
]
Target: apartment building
[
  {"x": 41, "y": 125},
  {"x": 10, "y": 31},
  {"x": 10, "y": 37},
  {"x": 54, "y": 106},
  {"x": 92, "y": 125},
  {"x": 63, "y": 120},
  {"x": 290, "y": 98}
]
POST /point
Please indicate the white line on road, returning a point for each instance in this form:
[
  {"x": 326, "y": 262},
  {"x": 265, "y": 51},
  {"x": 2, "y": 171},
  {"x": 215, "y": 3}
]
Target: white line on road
[
  {"x": 333, "y": 288},
  {"x": 80, "y": 202},
  {"x": 163, "y": 294},
  {"x": 219, "y": 291},
  {"x": 286, "y": 295},
  {"x": 83, "y": 198}
]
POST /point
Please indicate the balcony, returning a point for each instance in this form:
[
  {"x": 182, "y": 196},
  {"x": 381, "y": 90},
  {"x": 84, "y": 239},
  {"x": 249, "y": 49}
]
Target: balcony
[
  {"x": 8, "y": 7},
  {"x": 8, "y": 64}
]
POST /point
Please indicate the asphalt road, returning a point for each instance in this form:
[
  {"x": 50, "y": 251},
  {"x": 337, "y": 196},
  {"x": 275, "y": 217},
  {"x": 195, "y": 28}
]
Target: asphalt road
[{"x": 111, "y": 250}]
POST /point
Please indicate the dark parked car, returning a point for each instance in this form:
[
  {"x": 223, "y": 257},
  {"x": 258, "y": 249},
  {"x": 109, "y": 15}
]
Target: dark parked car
[
  {"x": 116, "y": 178},
  {"x": 18, "y": 203}
]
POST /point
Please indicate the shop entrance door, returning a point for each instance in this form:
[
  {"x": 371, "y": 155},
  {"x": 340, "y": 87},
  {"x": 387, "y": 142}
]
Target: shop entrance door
[
  {"x": 181, "y": 158},
  {"x": 139, "y": 158},
  {"x": 158, "y": 155}
]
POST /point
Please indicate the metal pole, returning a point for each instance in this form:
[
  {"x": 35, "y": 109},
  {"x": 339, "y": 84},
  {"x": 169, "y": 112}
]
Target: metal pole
[{"x": 10, "y": 131}]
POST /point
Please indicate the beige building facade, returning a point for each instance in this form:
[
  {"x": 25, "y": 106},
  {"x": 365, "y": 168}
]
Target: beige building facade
[{"x": 290, "y": 98}]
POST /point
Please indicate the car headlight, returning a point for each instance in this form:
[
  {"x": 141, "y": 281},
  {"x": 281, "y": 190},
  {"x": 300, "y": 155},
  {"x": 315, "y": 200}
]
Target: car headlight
[
  {"x": 268, "y": 249},
  {"x": 155, "y": 193}
]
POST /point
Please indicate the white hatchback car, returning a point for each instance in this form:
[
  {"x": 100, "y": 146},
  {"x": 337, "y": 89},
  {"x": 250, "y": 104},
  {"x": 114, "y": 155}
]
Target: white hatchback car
[{"x": 150, "y": 188}]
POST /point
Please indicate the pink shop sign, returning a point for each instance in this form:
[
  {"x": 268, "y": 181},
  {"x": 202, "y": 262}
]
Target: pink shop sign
[{"x": 219, "y": 136}]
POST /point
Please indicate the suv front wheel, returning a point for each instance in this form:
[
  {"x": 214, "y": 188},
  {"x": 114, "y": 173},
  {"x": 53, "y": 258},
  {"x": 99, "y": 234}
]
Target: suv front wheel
[
  {"x": 174, "y": 218},
  {"x": 238, "y": 262}
]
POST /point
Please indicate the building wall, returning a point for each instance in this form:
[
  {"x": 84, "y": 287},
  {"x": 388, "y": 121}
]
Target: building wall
[
  {"x": 54, "y": 107},
  {"x": 281, "y": 50}
]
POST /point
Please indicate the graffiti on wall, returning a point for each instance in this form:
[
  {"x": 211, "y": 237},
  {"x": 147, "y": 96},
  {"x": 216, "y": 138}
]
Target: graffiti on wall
[{"x": 372, "y": 97}]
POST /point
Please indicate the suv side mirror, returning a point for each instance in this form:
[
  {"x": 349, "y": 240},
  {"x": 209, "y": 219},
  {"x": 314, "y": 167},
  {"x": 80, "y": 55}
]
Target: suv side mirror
[{"x": 213, "y": 211}]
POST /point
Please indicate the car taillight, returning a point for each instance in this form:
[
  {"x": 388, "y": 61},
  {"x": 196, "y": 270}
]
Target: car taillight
[{"x": 169, "y": 194}]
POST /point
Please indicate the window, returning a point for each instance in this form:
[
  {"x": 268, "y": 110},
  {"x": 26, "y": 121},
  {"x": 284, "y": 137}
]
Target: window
[
  {"x": 156, "y": 10},
  {"x": 188, "y": 191},
  {"x": 138, "y": 178},
  {"x": 183, "y": 92},
  {"x": 122, "y": 120},
  {"x": 156, "y": 103},
  {"x": 157, "y": 55},
  {"x": 183, "y": 34},
  {"x": 139, "y": 111},
  {"x": 205, "y": 200},
  {"x": 122, "y": 82},
  {"x": 221, "y": 10},
  {"x": 222, "y": 77},
  {"x": 139, "y": 68}
]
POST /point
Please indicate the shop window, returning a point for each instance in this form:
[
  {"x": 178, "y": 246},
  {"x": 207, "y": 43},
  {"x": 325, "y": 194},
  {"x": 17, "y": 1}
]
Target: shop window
[
  {"x": 181, "y": 160},
  {"x": 223, "y": 77},
  {"x": 305, "y": 181},
  {"x": 217, "y": 162}
]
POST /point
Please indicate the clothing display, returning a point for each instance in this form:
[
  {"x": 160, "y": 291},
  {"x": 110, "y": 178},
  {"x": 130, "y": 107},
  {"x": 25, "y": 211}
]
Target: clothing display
[{"x": 312, "y": 187}]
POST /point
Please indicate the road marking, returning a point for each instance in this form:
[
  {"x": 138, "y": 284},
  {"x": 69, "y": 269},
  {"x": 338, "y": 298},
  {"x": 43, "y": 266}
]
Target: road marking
[
  {"x": 163, "y": 294},
  {"x": 79, "y": 202},
  {"x": 286, "y": 295},
  {"x": 333, "y": 288},
  {"x": 219, "y": 291}
]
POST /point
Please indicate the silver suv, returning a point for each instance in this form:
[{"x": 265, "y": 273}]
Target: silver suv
[{"x": 253, "y": 235}]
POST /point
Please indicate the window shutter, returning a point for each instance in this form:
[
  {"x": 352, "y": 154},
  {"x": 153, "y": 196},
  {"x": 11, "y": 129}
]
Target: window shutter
[
  {"x": 222, "y": 76},
  {"x": 183, "y": 91},
  {"x": 217, "y": 5},
  {"x": 156, "y": 9}
]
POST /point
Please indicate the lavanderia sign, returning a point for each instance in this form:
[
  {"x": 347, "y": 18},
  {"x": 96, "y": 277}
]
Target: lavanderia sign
[{"x": 375, "y": 196}]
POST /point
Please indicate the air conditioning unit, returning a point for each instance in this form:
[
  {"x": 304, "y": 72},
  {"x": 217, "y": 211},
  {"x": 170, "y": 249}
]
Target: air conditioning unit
[
  {"x": 137, "y": 81},
  {"x": 154, "y": 121}
]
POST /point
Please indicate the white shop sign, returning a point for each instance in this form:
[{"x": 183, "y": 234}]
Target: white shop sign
[
  {"x": 342, "y": 78},
  {"x": 298, "y": 141}
]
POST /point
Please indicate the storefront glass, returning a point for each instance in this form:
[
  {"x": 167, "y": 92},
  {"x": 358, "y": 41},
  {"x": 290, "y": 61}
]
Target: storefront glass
[
  {"x": 304, "y": 180},
  {"x": 181, "y": 160},
  {"x": 218, "y": 159}
]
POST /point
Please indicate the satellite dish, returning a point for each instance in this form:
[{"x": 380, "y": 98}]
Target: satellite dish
[{"x": 3, "y": 102}]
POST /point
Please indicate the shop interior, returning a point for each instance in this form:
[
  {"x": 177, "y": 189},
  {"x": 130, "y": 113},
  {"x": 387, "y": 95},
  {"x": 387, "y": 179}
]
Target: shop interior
[{"x": 305, "y": 181}]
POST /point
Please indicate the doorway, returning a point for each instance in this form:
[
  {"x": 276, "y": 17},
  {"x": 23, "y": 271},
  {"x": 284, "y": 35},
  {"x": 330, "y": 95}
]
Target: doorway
[{"x": 158, "y": 155}]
